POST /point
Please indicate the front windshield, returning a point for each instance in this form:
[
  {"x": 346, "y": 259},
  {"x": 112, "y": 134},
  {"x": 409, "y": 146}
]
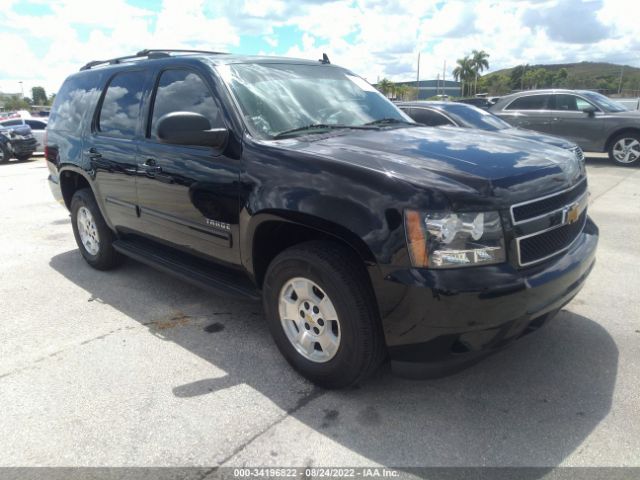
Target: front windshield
[
  {"x": 279, "y": 98},
  {"x": 476, "y": 118},
  {"x": 603, "y": 102}
]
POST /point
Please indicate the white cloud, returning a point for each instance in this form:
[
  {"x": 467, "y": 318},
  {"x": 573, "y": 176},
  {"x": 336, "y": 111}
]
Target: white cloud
[{"x": 374, "y": 38}]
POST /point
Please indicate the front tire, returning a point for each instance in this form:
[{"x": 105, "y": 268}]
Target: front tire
[
  {"x": 93, "y": 236},
  {"x": 5, "y": 154},
  {"x": 625, "y": 149},
  {"x": 323, "y": 315}
]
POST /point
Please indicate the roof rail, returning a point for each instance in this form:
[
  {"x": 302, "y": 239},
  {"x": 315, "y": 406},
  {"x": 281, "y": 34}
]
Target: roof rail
[{"x": 148, "y": 53}]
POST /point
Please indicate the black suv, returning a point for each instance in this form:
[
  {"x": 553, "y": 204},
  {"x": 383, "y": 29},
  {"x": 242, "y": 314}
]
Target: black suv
[{"x": 296, "y": 182}]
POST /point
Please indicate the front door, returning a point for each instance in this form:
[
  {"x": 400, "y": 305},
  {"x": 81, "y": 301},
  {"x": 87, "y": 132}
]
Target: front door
[
  {"x": 573, "y": 123},
  {"x": 188, "y": 195}
]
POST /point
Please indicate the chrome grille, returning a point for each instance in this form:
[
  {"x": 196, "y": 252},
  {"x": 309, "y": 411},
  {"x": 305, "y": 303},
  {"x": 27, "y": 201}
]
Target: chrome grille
[
  {"x": 548, "y": 225},
  {"x": 526, "y": 211}
]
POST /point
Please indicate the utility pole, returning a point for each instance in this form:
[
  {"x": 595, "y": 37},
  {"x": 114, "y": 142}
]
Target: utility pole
[
  {"x": 620, "y": 85},
  {"x": 444, "y": 75},
  {"x": 418, "y": 79},
  {"x": 524, "y": 69},
  {"x": 21, "y": 89}
]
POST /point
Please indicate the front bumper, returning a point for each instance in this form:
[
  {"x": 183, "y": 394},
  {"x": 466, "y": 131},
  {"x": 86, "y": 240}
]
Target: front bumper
[
  {"x": 448, "y": 319},
  {"x": 23, "y": 146}
]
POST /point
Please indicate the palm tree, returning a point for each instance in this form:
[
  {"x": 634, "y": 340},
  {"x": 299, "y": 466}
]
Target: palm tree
[
  {"x": 463, "y": 72},
  {"x": 385, "y": 86},
  {"x": 480, "y": 62},
  {"x": 401, "y": 91}
]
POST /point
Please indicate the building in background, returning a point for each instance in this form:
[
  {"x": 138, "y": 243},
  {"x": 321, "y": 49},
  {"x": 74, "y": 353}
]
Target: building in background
[{"x": 431, "y": 88}]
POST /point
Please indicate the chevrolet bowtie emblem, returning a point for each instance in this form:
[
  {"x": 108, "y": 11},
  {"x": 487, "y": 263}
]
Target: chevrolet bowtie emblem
[{"x": 572, "y": 213}]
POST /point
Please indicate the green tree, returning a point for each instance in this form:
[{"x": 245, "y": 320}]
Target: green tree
[
  {"x": 539, "y": 76},
  {"x": 464, "y": 72},
  {"x": 51, "y": 98},
  {"x": 561, "y": 78},
  {"x": 39, "y": 95},
  {"x": 401, "y": 91},
  {"x": 495, "y": 84},
  {"x": 386, "y": 87},
  {"x": 517, "y": 76},
  {"x": 479, "y": 63},
  {"x": 14, "y": 102}
]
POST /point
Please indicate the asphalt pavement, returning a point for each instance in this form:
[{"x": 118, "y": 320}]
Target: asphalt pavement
[{"x": 135, "y": 368}]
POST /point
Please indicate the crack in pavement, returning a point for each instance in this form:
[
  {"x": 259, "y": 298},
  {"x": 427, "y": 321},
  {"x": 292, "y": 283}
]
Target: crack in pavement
[
  {"x": 34, "y": 363},
  {"x": 315, "y": 393}
]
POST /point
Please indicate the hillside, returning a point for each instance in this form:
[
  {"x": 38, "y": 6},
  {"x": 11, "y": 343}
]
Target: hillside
[
  {"x": 592, "y": 75},
  {"x": 590, "y": 69}
]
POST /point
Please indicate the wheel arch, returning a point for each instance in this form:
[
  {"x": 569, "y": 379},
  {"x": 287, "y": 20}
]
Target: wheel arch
[
  {"x": 272, "y": 232},
  {"x": 71, "y": 180},
  {"x": 618, "y": 133}
]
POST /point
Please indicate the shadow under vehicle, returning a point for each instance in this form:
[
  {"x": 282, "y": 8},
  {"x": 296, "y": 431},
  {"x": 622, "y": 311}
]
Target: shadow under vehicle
[{"x": 530, "y": 406}]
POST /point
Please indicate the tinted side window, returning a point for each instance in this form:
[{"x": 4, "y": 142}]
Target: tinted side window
[
  {"x": 531, "y": 102},
  {"x": 35, "y": 125},
  {"x": 120, "y": 109},
  {"x": 11, "y": 123},
  {"x": 183, "y": 91},
  {"x": 565, "y": 102},
  {"x": 74, "y": 102},
  {"x": 429, "y": 117}
]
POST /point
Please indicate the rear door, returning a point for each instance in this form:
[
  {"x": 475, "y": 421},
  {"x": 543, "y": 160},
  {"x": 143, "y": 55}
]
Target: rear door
[
  {"x": 572, "y": 122},
  {"x": 188, "y": 195},
  {"x": 530, "y": 111},
  {"x": 111, "y": 147}
]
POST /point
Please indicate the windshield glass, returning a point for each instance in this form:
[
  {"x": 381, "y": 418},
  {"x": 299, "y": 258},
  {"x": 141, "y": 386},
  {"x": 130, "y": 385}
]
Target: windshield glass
[
  {"x": 278, "y": 98},
  {"x": 603, "y": 102},
  {"x": 476, "y": 118}
]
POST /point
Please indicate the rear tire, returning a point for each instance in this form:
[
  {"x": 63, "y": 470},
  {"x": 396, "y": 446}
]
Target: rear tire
[
  {"x": 624, "y": 150},
  {"x": 23, "y": 158},
  {"x": 93, "y": 236},
  {"x": 305, "y": 283}
]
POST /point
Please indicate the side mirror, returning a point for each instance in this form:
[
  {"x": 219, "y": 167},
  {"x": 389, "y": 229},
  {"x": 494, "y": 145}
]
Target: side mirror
[
  {"x": 190, "y": 128},
  {"x": 591, "y": 111}
]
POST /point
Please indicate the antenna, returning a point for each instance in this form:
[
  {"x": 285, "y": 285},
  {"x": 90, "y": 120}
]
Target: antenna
[{"x": 325, "y": 59}]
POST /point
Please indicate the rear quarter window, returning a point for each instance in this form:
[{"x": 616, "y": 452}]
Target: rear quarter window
[{"x": 75, "y": 103}]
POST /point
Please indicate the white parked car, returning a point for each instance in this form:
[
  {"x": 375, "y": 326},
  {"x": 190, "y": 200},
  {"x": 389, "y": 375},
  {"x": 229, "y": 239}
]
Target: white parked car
[{"x": 38, "y": 126}]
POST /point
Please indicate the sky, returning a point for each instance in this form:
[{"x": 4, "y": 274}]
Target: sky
[{"x": 43, "y": 41}]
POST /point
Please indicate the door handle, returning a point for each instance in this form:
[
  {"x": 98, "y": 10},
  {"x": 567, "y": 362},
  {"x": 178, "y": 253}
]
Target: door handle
[
  {"x": 150, "y": 166},
  {"x": 94, "y": 153}
]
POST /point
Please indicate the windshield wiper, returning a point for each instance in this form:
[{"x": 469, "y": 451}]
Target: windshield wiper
[
  {"x": 389, "y": 121},
  {"x": 319, "y": 126}
]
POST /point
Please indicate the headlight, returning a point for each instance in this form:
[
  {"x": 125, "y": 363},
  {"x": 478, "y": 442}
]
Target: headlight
[{"x": 450, "y": 240}]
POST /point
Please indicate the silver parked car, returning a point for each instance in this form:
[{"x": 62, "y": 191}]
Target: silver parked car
[
  {"x": 467, "y": 116},
  {"x": 38, "y": 126},
  {"x": 594, "y": 122}
]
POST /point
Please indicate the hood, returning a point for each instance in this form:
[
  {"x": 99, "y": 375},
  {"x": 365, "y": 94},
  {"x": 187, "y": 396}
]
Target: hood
[
  {"x": 23, "y": 130},
  {"x": 539, "y": 137},
  {"x": 630, "y": 114},
  {"x": 460, "y": 163}
]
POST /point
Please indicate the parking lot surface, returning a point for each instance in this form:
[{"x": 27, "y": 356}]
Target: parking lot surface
[{"x": 135, "y": 368}]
